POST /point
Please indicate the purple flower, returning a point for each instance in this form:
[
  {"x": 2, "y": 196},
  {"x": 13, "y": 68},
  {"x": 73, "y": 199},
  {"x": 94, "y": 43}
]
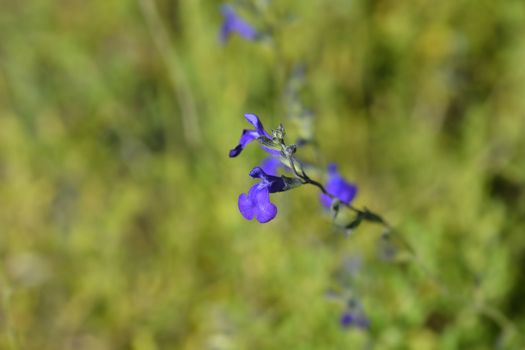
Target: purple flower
[
  {"x": 338, "y": 187},
  {"x": 257, "y": 202},
  {"x": 248, "y": 136},
  {"x": 353, "y": 319},
  {"x": 235, "y": 24},
  {"x": 270, "y": 165}
]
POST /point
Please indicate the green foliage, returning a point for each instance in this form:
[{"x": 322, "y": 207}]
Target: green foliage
[{"x": 119, "y": 226}]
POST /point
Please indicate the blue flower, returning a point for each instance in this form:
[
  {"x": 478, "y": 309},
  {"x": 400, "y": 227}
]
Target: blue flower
[
  {"x": 271, "y": 164},
  {"x": 338, "y": 187},
  {"x": 248, "y": 136},
  {"x": 353, "y": 319},
  {"x": 235, "y": 24},
  {"x": 257, "y": 202}
]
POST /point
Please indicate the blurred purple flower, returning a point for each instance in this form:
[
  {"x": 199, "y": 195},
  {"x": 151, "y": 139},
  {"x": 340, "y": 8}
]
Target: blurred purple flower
[
  {"x": 353, "y": 319},
  {"x": 338, "y": 187},
  {"x": 235, "y": 24},
  {"x": 257, "y": 202},
  {"x": 248, "y": 136},
  {"x": 270, "y": 165}
]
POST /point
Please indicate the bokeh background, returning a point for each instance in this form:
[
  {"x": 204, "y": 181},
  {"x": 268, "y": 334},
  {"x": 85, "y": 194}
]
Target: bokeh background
[{"x": 119, "y": 226}]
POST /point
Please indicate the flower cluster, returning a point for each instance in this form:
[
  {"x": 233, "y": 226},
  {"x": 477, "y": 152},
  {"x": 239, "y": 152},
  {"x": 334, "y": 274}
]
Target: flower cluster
[
  {"x": 282, "y": 170},
  {"x": 256, "y": 204}
]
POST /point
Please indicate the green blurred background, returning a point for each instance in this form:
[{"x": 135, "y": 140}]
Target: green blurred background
[{"x": 119, "y": 226}]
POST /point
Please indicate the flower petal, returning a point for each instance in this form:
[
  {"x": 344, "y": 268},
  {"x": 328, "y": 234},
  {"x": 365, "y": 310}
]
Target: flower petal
[
  {"x": 326, "y": 201},
  {"x": 247, "y": 136},
  {"x": 233, "y": 23},
  {"x": 246, "y": 206},
  {"x": 254, "y": 120},
  {"x": 226, "y": 28},
  {"x": 342, "y": 189},
  {"x": 347, "y": 318},
  {"x": 265, "y": 210},
  {"x": 270, "y": 165},
  {"x": 356, "y": 319},
  {"x": 257, "y": 204},
  {"x": 244, "y": 29},
  {"x": 338, "y": 187}
]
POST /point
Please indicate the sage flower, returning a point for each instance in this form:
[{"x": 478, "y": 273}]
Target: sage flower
[
  {"x": 338, "y": 187},
  {"x": 257, "y": 202},
  {"x": 249, "y": 135},
  {"x": 235, "y": 24}
]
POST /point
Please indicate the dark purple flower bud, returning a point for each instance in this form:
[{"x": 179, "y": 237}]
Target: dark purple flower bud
[
  {"x": 235, "y": 24},
  {"x": 274, "y": 183},
  {"x": 338, "y": 187},
  {"x": 353, "y": 319},
  {"x": 248, "y": 136},
  {"x": 257, "y": 202},
  {"x": 346, "y": 320}
]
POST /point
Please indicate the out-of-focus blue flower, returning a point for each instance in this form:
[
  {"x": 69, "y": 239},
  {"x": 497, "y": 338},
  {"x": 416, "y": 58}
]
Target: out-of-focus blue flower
[
  {"x": 257, "y": 202},
  {"x": 235, "y": 24},
  {"x": 353, "y": 319},
  {"x": 248, "y": 136},
  {"x": 270, "y": 165},
  {"x": 338, "y": 187}
]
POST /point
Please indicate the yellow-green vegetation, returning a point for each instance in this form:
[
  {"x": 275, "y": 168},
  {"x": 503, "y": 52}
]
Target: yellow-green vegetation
[{"x": 119, "y": 226}]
